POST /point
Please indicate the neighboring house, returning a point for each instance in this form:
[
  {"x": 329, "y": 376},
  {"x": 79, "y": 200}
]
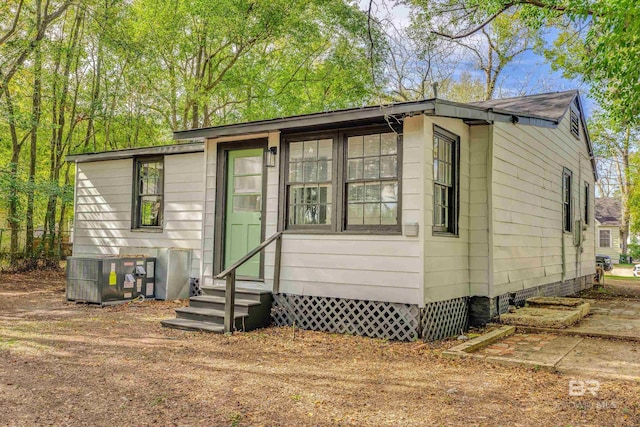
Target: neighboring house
[
  {"x": 398, "y": 221},
  {"x": 608, "y": 220}
]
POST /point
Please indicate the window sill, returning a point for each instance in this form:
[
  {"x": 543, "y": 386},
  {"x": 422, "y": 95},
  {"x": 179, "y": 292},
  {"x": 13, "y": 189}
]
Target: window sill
[
  {"x": 445, "y": 234},
  {"x": 346, "y": 232},
  {"x": 147, "y": 230}
]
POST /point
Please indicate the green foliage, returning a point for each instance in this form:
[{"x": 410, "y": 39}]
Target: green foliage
[
  {"x": 606, "y": 56},
  {"x": 634, "y": 250},
  {"x": 124, "y": 74}
]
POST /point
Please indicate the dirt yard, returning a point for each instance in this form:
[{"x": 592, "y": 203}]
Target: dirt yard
[
  {"x": 67, "y": 364},
  {"x": 617, "y": 287}
]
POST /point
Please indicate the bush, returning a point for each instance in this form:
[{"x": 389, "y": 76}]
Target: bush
[{"x": 634, "y": 250}]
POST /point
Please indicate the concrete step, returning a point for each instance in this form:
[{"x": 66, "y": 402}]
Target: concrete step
[
  {"x": 193, "y": 325},
  {"x": 206, "y": 314},
  {"x": 252, "y": 310},
  {"x": 241, "y": 293},
  {"x": 218, "y": 303}
]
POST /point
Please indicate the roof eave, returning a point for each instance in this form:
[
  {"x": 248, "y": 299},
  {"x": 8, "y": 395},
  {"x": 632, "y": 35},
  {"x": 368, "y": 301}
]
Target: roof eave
[
  {"x": 310, "y": 120},
  {"x": 191, "y": 147},
  {"x": 434, "y": 107}
]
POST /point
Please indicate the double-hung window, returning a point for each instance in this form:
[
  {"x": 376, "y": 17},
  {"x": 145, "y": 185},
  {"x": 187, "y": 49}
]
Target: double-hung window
[
  {"x": 310, "y": 183},
  {"x": 372, "y": 180},
  {"x": 148, "y": 193},
  {"x": 586, "y": 202},
  {"x": 604, "y": 239},
  {"x": 567, "y": 176},
  {"x": 343, "y": 181},
  {"x": 446, "y": 184}
]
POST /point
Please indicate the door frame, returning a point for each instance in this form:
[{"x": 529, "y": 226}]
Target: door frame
[{"x": 220, "y": 229}]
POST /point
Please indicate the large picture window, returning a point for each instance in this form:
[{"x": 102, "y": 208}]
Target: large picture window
[
  {"x": 343, "y": 181},
  {"x": 149, "y": 191},
  {"x": 446, "y": 148}
]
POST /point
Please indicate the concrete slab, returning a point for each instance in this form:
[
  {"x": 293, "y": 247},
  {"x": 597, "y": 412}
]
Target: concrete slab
[
  {"x": 603, "y": 359},
  {"x": 546, "y": 316},
  {"x": 572, "y": 350},
  {"x": 554, "y": 301},
  {"x": 479, "y": 342},
  {"x": 542, "y": 350}
]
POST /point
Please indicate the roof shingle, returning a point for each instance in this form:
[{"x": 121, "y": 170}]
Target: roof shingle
[
  {"x": 608, "y": 210},
  {"x": 545, "y": 105}
]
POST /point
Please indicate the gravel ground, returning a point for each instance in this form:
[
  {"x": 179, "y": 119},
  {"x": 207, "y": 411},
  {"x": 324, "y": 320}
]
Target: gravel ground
[{"x": 67, "y": 364}]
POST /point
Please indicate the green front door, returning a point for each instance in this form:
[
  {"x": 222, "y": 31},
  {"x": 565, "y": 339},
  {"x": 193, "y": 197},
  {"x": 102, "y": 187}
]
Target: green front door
[{"x": 243, "y": 228}]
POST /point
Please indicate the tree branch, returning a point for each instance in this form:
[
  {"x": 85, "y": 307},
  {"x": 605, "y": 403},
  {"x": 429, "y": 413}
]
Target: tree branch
[
  {"x": 14, "y": 25},
  {"x": 536, "y": 3},
  {"x": 476, "y": 29}
]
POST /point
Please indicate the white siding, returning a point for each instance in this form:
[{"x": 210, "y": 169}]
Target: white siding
[
  {"x": 378, "y": 268},
  {"x": 446, "y": 261},
  {"x": 208, "y": 224},
  {"x": 615, "y": 250},
  {"x": 368, "y": 267},
  {"x": 211, "y": 156},
  {"x": 530, "y": 247},
  {"x": 103, "y": 208},
  {"x": 480, "y": 237}
]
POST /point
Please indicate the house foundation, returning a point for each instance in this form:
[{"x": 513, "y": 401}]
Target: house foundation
[
  {"x": 483, "y": 310},
  {"x": 403, "y": 322}
]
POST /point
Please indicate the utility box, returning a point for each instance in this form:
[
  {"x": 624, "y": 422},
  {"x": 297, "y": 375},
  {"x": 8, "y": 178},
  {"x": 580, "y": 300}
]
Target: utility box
[
  {"x": 172, "y": 273},
  {"x": 109, "y": 279}
]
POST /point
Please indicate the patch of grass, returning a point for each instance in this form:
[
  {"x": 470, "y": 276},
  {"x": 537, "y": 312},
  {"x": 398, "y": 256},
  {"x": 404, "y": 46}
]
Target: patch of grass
[
  {"x": 629, "y": 278},
  {"x": 235, "y": 419},
  {"x": 6, "y": 343},
  {"x": 158, "y": 400}
]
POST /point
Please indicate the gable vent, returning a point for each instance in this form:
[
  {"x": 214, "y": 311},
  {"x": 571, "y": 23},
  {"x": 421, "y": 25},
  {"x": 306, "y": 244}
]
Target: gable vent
[{"x": 575, "y": 124}]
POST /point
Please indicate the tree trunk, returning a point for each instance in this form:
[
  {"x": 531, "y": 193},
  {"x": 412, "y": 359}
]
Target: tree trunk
[
  {"x": 14, "y": 202},
  {"x": 626, "y": 189},
  {"x": 35, "y": 120}
]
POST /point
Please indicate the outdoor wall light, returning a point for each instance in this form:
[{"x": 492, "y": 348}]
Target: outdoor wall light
[{"x": 270, "y": 159}]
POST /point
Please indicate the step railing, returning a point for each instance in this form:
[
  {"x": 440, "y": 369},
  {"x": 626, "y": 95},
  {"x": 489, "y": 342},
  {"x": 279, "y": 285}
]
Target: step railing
[{"x": 229, "y": 275}]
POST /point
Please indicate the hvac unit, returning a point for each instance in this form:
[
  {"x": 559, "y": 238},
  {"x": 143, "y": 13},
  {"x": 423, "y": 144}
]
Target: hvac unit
[
  {"x": 173, "y": 270},
  {"x": 110, "y": 279}
]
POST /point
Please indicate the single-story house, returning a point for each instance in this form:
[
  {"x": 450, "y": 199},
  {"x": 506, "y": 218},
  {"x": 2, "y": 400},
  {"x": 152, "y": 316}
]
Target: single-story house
[
  {"x": 608, "y": 221},
  {"x": 405, "y": 220}
]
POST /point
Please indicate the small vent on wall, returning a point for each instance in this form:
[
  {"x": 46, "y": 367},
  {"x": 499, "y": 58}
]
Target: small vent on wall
[{"x": 575, "y": 124}]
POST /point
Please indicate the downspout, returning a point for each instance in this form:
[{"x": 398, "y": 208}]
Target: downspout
[{"x": 579, "y": 228}]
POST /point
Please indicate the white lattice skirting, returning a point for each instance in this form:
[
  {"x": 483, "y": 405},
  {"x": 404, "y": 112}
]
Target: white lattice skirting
[
  {"x": 404, "y": 322},
  {"x": 444, "y": 319}
]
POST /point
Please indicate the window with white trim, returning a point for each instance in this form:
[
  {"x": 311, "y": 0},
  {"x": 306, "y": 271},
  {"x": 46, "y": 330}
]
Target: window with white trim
[{"x": 604, "y": 239}]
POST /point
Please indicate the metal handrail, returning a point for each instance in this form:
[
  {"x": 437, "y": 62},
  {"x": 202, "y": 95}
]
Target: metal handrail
[{"x": 230, "y": 277}]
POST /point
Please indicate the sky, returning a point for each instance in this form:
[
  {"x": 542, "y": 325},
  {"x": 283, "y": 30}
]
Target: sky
[{"x": 529, "y": 71}]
